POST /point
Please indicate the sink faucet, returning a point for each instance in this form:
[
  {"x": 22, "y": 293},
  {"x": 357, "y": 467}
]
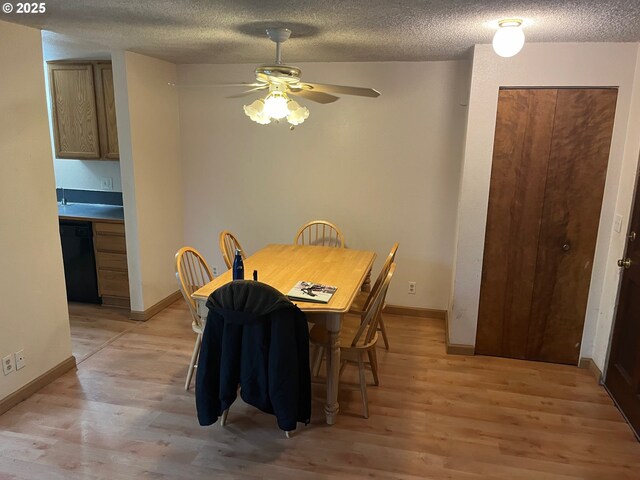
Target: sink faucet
[{"x": 63, "y": 200}]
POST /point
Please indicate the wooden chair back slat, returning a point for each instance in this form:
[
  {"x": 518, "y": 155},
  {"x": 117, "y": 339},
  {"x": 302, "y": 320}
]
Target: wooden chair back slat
[
  {"x": 320, "y": 233},
  {"x": 192, "y": 272},
  {"x": 369, "y": 318},
  {"x": 228, "y": 245},
  {"x": 382, "y": 275}
]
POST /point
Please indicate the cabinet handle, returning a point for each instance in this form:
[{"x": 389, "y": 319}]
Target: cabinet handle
[{"x": 566, "y": 247}]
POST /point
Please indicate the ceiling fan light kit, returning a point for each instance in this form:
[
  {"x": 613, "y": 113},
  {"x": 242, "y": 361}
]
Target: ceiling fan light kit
[
  {"x": 509, "y": 38},
  {"x": 283, "y": 81},
  {"x": 276, "y": 106}
]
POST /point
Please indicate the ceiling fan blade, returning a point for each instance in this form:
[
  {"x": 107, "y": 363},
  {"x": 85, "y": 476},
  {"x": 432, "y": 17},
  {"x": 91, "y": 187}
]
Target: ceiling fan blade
[
  {"x": 216, "y": 85},
  {"x": 247, "y": 92},
  {"x": 318, "y": 97},
  {"x": 244, "y": 84},
  {"x": 340, "y": 89}
]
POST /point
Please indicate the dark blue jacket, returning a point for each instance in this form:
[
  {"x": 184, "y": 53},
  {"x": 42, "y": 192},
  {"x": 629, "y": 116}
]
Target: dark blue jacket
[{"x": 257, "y": 339}]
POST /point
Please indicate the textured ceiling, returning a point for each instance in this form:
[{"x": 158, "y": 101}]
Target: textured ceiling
[{"x": 232, "y": 31}]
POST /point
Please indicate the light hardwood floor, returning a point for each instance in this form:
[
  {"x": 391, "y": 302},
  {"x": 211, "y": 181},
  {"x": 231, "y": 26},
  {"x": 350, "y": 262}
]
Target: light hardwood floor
[
  {"x": 94, "y": 327},
  {"x": 124, "y": 414}
]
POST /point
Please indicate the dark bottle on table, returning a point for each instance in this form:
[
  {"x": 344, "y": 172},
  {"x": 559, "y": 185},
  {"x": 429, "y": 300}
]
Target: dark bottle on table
[{"x": 238, "y": 266}]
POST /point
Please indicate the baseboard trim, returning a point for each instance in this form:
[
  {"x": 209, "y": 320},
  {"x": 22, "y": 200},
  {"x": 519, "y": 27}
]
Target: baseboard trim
[
  {"x": 460, "y": 349},
  {"x": 415, "y": 312},
  {"x": 117, "y": 302},
  {"x": 589, "y": 364},
  {"x": 455, "y": 348},
  {"x": 36, "y": 384},
  {"x": 154, "y": 309}
]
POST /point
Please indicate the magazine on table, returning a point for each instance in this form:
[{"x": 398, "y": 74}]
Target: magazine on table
[{"x": 311, "y": 292}]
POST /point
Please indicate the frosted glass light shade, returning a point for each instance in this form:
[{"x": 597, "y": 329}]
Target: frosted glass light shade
[
  {"x": 255, "y": 112},
  {"x": 509, "y": 39},
  {"x": 275, "y": 105},
  {"x": 298, "y": 114}
]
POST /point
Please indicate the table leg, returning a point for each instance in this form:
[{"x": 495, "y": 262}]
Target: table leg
[
  {"x": 366, "y": 285},
  {"x": 333, "y": 323},
  {"x": 203, "y": 312}
]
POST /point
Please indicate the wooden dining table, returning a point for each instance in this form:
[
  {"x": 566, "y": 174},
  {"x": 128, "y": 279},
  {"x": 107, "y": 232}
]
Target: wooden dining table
[{"x": 282, "y": 266}]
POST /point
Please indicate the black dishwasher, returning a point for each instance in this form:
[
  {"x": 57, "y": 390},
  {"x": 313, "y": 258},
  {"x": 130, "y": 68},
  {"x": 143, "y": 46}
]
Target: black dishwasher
[{"x": 79, "y": 261}]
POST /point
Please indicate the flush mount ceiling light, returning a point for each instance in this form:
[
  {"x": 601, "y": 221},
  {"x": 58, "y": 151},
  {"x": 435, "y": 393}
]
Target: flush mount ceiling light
[{"x": 509, "y": 39}]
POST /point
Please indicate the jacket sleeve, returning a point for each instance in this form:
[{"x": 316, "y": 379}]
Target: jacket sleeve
[
  {"x": 304, "y": 370},
  {"x": 208, "y": 371},
  {"x": 288, "y": 382}
]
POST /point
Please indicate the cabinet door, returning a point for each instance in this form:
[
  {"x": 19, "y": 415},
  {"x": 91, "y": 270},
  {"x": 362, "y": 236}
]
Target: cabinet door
[
  {"x": 105, "y": 101},
  {"x": 73, "y": 105}
]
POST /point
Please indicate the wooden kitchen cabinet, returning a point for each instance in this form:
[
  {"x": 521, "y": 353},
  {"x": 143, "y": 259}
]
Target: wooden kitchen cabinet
[
  {"x": 74, "y": 115},
  {"x": 111, "y": 262},
  {"x": 83, "y": 110},
  {"x": 106, "y": 107}
]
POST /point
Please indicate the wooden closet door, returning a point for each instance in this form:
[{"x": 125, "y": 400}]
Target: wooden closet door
[
  {"x": 570, "y": 218},
  {"x": 516, "y": 195},
  {"x": 550, "y": 158}
]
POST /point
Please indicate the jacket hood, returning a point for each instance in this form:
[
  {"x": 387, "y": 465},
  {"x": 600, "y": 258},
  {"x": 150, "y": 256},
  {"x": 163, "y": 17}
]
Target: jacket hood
[{"x": 245, "y": 301}]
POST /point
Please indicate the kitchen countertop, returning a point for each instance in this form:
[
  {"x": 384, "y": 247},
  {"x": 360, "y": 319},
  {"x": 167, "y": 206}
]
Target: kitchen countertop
[{"x": 91, "y": 211}]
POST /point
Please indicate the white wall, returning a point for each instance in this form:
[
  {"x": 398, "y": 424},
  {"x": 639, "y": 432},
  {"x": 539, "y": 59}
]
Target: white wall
[
  {"x": 543, "y": 65},
  {"x": 149, "y": 137},
  {"x": 86, "y": 174},
  {"x": 77, "y": 174},
  {"x": 33, "y": 309},
  {"x": 384, "y": 170}
]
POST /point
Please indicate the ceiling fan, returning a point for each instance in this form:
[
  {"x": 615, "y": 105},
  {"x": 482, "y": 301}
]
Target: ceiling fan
[{"x": 283, "y": 80}]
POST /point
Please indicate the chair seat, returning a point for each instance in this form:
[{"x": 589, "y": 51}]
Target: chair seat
[
  {"x": 320, "y": 335},
  {"x": 357, "y": 306}
]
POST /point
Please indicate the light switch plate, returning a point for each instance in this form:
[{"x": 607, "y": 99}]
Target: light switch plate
[
  {"x": 20, "y": 360},
  {"x": 617, "y": 223}
]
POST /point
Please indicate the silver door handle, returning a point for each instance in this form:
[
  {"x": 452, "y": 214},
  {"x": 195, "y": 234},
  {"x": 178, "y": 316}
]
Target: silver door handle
[{"x": 624, "y": 263}]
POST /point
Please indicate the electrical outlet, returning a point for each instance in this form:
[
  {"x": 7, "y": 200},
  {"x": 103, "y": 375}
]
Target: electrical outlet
[
  {"x": 214, "y": 269},
  {"x": 106, "y": 183},
  {"x": 8, "y": 365},
  {"x": 412, "y": 288},
  {"x": 20, "y": 361}
]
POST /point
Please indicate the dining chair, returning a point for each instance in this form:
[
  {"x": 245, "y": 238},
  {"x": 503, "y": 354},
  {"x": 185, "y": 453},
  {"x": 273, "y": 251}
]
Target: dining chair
[
  {"x": 321, "y": 233},
  {"x": 364, "y": 334},
  {"x": 192, "y": 272},
  {"x": 362, "y": 300},
  {"x": 228, "y": 245},
  {"x": 258, "y": 340}
]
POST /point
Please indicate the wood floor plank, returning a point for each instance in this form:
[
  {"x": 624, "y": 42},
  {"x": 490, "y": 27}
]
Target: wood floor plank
[{"x": 124, "y": 414}]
